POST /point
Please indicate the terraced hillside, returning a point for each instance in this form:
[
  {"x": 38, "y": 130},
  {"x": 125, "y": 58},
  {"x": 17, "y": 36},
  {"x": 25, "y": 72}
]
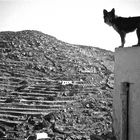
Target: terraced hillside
[{"x": 50, "y": 86}]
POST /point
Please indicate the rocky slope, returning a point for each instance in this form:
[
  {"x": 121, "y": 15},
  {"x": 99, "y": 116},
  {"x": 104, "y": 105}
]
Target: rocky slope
[{"x": 50, "y": 86}]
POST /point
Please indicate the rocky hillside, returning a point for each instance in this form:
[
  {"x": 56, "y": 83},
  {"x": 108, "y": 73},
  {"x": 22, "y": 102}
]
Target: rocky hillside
[{"x": 50, "y": 86}]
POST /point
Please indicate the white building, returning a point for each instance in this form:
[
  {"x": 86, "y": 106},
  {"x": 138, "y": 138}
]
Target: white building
[{"x": 66, "y": 82}]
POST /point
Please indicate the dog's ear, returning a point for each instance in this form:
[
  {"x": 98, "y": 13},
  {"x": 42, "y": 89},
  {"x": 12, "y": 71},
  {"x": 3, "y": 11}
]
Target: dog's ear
[
  {"x": 104, "y": 12},
  {"x": 113, "y": 11}
]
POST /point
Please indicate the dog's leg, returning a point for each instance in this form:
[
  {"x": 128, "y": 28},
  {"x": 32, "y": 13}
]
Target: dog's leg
[
  {"x": 122, "y": 35},
  {"x": 138, "y": 35}
]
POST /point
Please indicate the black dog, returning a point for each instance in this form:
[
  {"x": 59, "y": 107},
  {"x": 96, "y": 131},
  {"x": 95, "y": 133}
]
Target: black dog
[{"x": 122, "y": 25}]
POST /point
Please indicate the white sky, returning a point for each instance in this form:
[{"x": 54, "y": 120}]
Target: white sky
[{"x": 73, "y": 21}]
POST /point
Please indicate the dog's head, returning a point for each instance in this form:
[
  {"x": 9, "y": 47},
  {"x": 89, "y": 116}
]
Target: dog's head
[{"x": 109, "y": 16}]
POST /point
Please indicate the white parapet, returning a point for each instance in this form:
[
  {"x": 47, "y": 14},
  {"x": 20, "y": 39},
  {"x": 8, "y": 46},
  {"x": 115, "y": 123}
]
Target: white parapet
[{"x": 126, "y": 97}]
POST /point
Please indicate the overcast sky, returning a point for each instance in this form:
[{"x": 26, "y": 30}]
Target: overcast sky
[{"x": 72, "y": 21}]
